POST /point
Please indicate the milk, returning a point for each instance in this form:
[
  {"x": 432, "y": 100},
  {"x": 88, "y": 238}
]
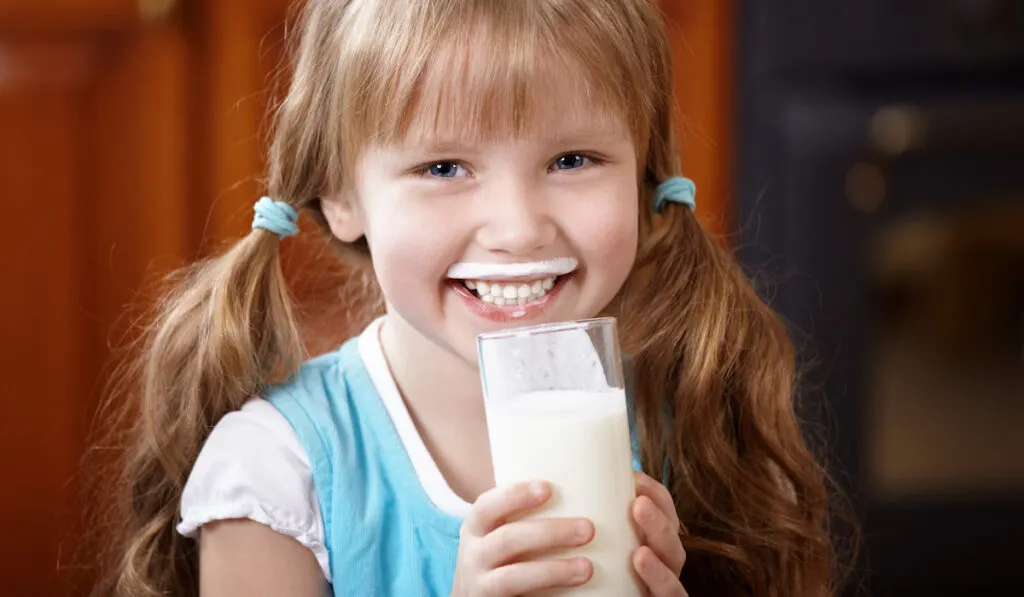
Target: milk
[{"x": 579, "y": 442}]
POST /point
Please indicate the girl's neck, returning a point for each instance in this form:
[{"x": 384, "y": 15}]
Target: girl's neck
[
  {"x": 442, "y": 393},
  {"x": 429, "y": 377}
]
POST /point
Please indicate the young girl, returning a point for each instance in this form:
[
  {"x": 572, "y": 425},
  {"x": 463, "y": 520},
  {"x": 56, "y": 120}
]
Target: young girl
[{"x": 530, "y": 140}]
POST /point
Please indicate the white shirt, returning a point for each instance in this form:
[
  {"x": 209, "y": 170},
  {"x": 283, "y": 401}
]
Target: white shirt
[{"x": 253, "y": 466}]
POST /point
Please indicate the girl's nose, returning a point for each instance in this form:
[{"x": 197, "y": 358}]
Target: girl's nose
[{"x": 516, "y": 221}]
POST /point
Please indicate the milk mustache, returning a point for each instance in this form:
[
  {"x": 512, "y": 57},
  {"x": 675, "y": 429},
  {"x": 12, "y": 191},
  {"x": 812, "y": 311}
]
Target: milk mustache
[{"x": 578, "y": 440}]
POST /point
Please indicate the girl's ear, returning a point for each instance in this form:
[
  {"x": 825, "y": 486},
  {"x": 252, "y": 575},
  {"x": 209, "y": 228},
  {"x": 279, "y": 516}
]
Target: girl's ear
[{"x": 343, "y": 216}]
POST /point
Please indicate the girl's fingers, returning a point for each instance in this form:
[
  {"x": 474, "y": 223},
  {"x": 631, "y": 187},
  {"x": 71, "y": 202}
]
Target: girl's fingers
[
  {"x": 660, "y": 533},
  {"x": 514, "y": 540},
  {"x": 527, "y": 577},
  {"x": 659, "y": 494},
  {"x": 494, "y": 507},
  {"x": 660, "y": 581}
]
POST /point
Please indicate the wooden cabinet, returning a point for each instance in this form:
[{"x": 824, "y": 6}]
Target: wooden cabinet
[
  {"x": 121, "y": 123},
  {"x": 94, "y": 164},
  {"x": 132, "y": 135}
]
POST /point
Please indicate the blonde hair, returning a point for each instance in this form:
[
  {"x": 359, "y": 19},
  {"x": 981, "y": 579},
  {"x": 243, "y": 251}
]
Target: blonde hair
[{"x": 709, "y": 354}]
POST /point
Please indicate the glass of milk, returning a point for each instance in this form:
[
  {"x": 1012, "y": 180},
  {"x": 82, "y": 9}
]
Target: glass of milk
[{"x": 556, "y": 412}]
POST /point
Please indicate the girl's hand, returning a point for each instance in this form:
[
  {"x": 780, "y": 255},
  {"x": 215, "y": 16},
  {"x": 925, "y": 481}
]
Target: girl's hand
[
  {"x": 660, "y": 559},
  {"x": 491, "y": 551}
]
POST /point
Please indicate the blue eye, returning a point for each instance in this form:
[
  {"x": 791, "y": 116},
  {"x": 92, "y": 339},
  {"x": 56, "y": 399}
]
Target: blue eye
[
  {"x": 570, "y": 161},
  {"x": 445, "y": 170}
]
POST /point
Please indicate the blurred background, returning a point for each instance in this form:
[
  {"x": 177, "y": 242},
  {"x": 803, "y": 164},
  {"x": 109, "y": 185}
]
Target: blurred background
[{"x": 865, "y": 158}]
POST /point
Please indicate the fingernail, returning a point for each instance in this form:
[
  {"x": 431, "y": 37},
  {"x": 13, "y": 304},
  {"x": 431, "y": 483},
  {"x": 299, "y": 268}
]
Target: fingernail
[
  {"x": 580, "y": 567},
  {"x": 582, "y": 530},
  {"x": 538, "y": 489}
]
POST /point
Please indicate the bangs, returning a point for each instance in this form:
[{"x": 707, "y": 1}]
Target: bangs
[
  {"x": 490, "y": 69},
  {"x": 466, "y": 94}
]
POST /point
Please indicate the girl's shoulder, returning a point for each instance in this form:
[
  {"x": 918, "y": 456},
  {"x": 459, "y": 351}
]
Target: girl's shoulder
[
  {"x": 260, "y": 462},
  {"x": 253, "y": 466}
]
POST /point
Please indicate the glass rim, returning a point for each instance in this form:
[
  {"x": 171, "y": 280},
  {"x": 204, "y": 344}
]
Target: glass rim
[{"x": 546, "y": 328}]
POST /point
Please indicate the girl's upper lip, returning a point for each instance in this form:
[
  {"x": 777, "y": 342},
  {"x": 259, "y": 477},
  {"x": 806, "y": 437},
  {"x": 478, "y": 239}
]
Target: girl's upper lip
[{"x": 513, "y": 271}]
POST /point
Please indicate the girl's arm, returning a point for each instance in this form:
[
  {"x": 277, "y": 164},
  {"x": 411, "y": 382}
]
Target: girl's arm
[{"x": 242, "y": 557}]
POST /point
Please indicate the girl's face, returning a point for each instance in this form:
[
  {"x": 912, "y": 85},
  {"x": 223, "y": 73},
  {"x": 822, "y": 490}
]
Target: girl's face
[{"x": 471, "y": 235}]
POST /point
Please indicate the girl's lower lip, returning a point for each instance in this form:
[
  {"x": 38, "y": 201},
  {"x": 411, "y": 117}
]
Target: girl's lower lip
[{"x": 508, "y": 313}]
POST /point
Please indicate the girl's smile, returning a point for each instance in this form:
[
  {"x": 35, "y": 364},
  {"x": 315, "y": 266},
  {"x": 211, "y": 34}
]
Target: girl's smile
[
  {"x": 506, "y": 292},
  {"x": 508, "y": 301}
]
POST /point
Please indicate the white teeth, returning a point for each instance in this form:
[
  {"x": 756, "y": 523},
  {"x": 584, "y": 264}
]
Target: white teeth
[{"x": 513, "y": 293}]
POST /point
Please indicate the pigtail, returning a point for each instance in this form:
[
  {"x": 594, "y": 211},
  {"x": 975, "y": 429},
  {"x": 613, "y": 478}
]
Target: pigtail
[
  {"x": 221, "y": 334},
  {"x": 714, "y": 373},
  {"x": 224, "y": 330}
]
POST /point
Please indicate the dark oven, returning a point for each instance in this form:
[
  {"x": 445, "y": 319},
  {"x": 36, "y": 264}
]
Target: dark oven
[{"x": 880, "y": 207}]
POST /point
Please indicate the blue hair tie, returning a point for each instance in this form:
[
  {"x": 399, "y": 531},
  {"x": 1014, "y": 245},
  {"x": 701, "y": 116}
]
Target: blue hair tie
[
  {"x": 275, "y": 216},
  {"x": 677, "y": 189}
]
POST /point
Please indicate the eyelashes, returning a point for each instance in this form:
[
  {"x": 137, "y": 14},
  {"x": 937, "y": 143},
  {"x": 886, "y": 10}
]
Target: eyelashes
[
  {"x": 455, "y": 169},
  {"x": 444, "y": 170}
]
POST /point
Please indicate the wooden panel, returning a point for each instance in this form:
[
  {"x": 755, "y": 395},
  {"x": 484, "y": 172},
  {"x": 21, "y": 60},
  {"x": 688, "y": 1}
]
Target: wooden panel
[
  {"x": 144, "y": 191},
  {"x": 42, "y": 169},
  {"x": 702, "y": 38},
  {"x": 93, "y": 158},
  {"x": 81, "y": 15}
]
